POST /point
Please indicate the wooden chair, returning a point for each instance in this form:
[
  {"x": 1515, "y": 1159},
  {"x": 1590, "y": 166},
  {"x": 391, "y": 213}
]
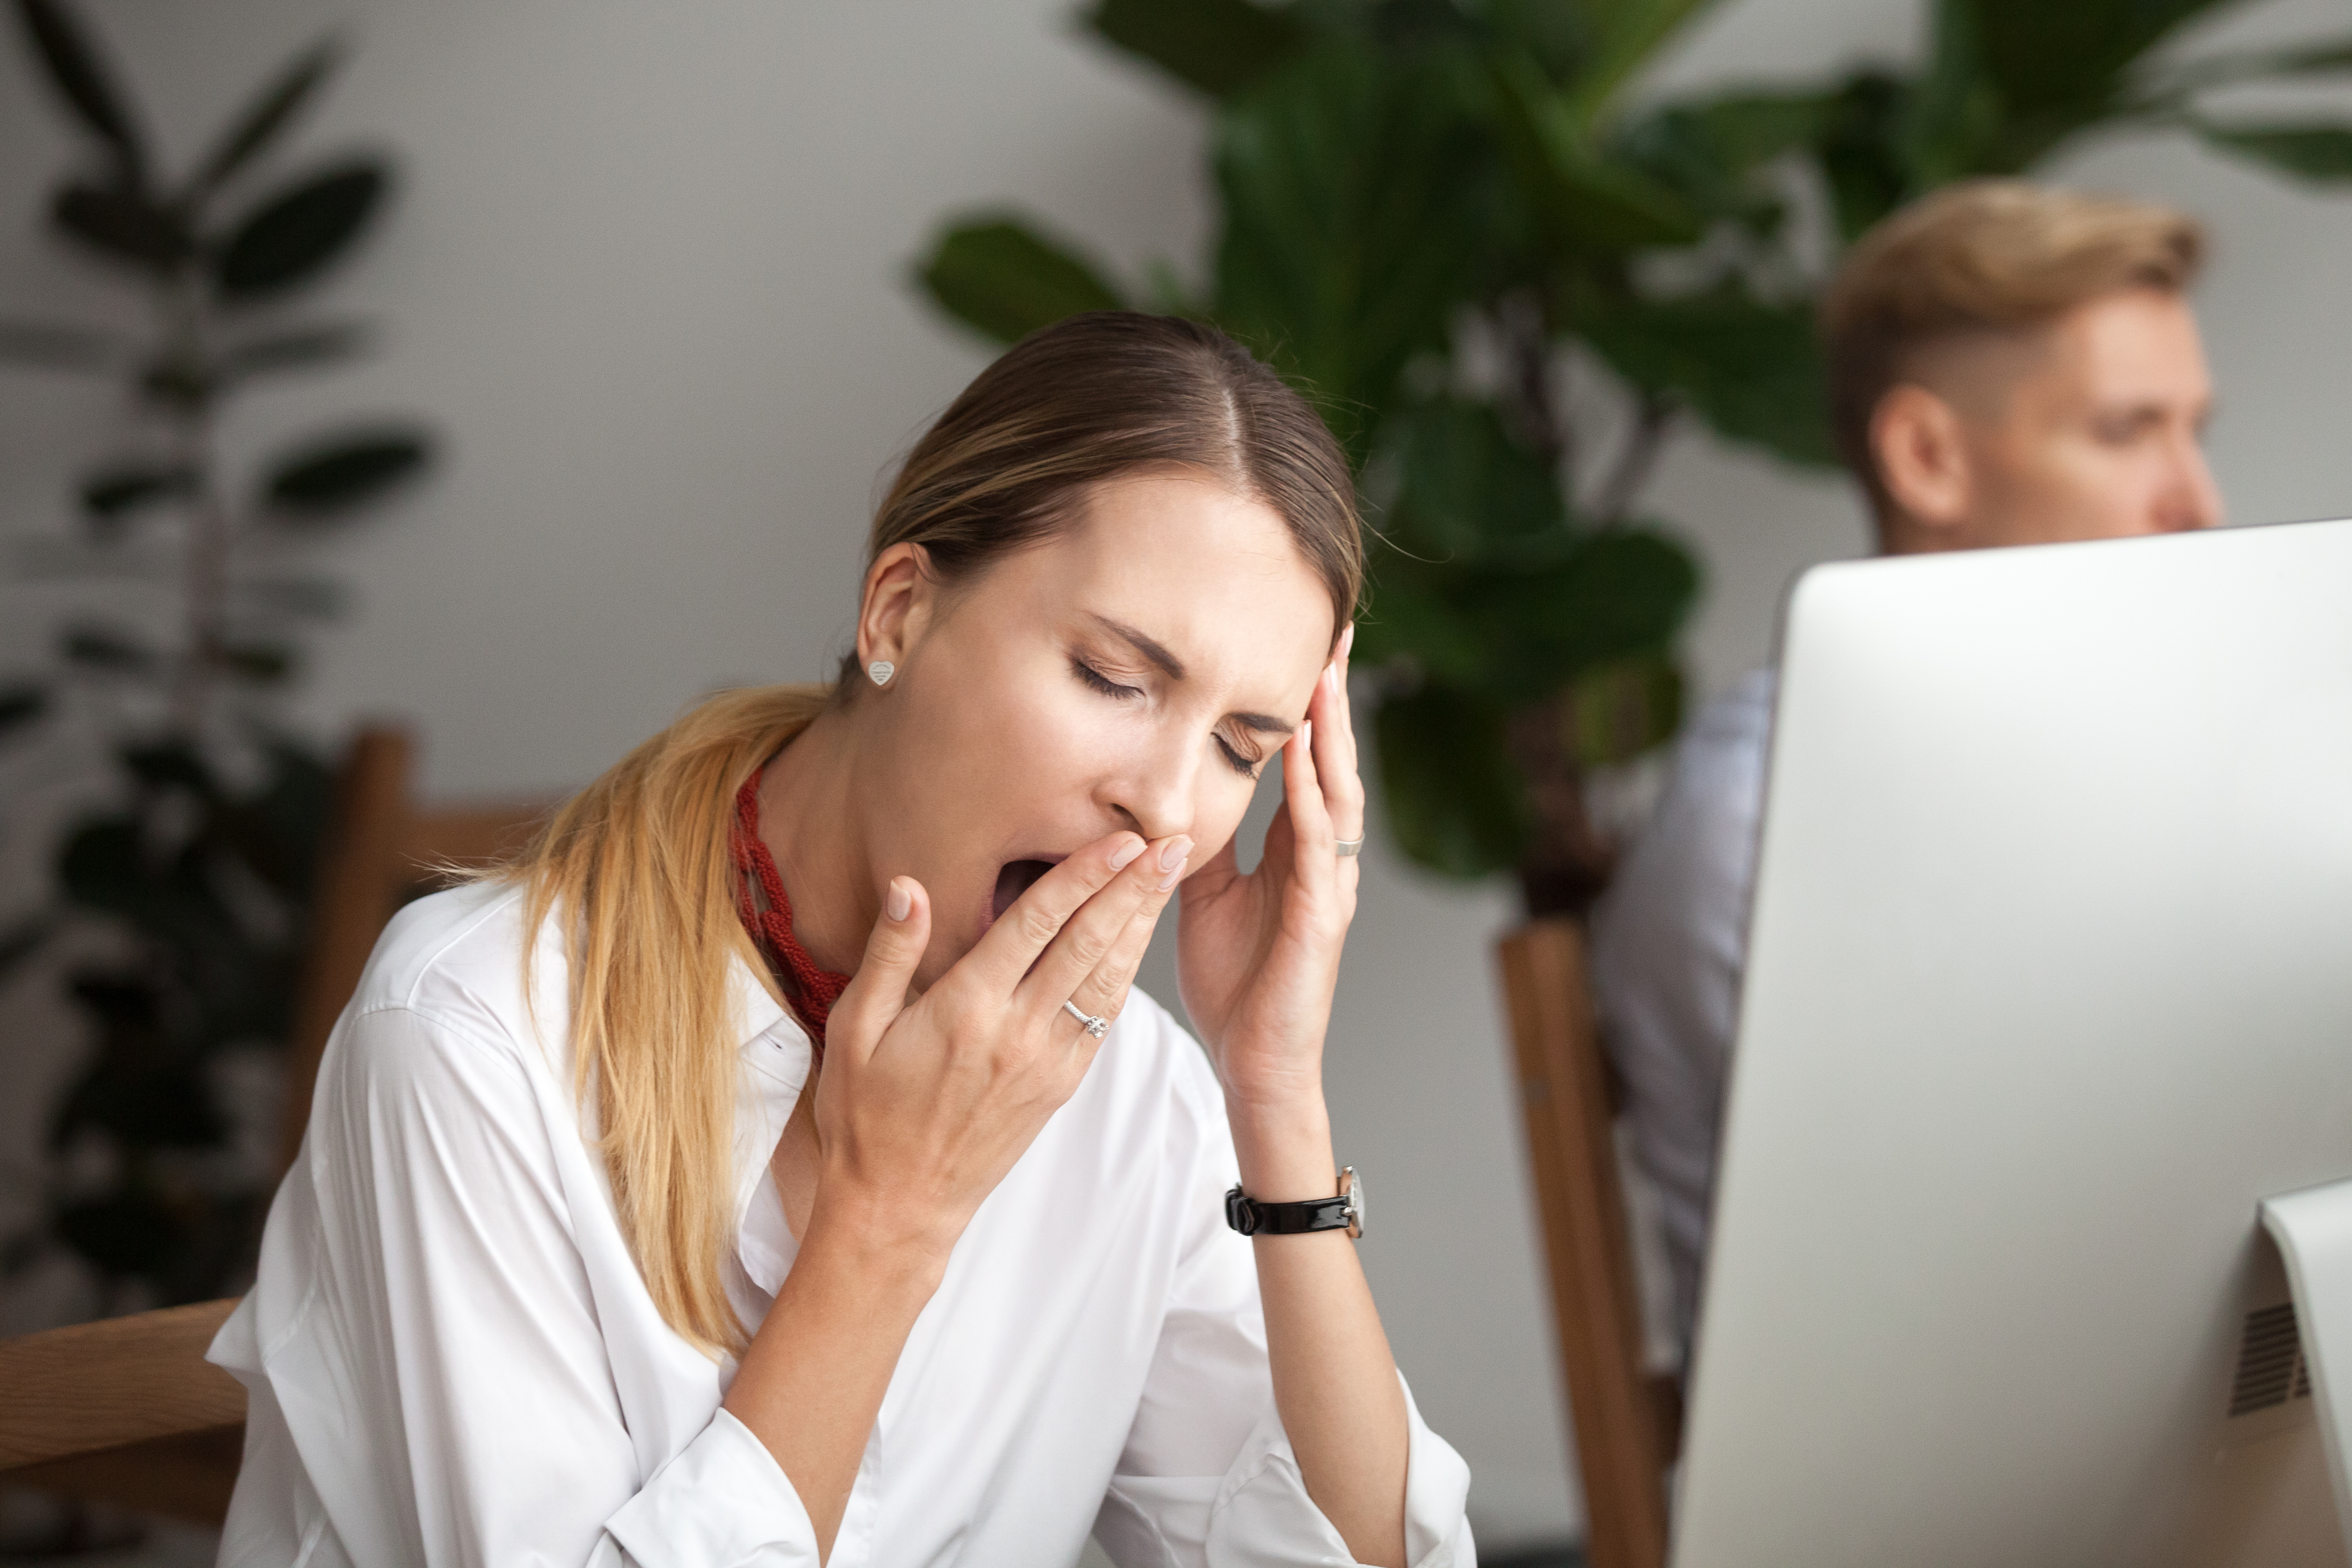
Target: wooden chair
[
  {"x": 128, "y": 1411},
  {"x": 1627, "y": 1421}
]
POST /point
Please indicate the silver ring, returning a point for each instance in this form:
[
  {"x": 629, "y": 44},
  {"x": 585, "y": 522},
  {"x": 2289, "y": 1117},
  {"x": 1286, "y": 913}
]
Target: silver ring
[
  {"x": 1096, "y": 1027},
  {"x": 1347, "y": 846}
]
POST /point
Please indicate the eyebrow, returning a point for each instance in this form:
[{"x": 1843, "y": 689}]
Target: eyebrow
[{"x": 1170, "y": 666}]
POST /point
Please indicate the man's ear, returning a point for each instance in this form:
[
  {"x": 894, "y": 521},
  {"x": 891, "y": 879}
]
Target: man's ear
[
  {"x": 1922, "y": 454},
  {"x": 900, "y": 598}
]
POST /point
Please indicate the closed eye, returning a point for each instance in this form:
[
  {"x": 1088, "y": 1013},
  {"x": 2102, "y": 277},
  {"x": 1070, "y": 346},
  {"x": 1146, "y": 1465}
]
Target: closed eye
[
  {"x": 1101, "y": 682},
  {"x": 1245, "y": 766}
]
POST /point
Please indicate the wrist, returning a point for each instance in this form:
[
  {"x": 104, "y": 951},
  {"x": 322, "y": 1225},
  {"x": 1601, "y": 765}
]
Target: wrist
[
  {"x": 885, "y": 1241},
  {"x": 1284, "y": 1151}
]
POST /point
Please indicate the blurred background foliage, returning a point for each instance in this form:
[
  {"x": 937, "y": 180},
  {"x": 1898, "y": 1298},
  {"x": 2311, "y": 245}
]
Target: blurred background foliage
[
  {"x": 1435, "y": 212},
  {"x": 196, "y": 875}
]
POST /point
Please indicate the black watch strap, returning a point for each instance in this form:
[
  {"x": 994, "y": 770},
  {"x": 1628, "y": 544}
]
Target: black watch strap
[{"x": 1343, "y": 1211}]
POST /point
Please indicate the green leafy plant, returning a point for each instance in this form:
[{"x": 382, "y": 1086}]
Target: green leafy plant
[
  {"x": 1436, "y": 213},
  {"x": 200, "y": 872}
]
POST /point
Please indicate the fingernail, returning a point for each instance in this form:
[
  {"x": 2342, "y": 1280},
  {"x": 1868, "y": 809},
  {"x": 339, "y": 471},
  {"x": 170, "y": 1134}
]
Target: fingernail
[
  {"x": 1332, "y": 678},
  {"x": 1346, "y": 639},
  {"x": 1172, "y": 853},
  {"x": 900, "y": 901},
  {"x": 1124, "y": 856},
  {"x": 1307, "y": 734},
  {"x": 1174, "y": 875}
]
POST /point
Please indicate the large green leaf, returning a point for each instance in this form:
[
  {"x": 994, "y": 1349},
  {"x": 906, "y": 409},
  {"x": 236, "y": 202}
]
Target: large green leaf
[
  {"x": 1221, "y": 46},
  {"x": 267, "y": 117},
  {"x": 2012, "y": 80},
  {"x": 1708, "y": 149},
  {"x": 1532, "y": 616},
  {"x": 1627, "y": 34},
  {"x": 2321, "y": 155},
  {"x": 2066, "y": 57},
  {"x": 122, "y": 225},
  {"x": 1409, "y": 621},
  {"x": 1862, "y": 152},
  {"x": 1461, "y": 483},
  {"x": 1612, "y": 596},
  {"x": 341, "y": 473},
  {"x": 80, "y": 76},
  {"x": 1354, "y": 195},
  {"x": 1449, "y": 790},
  {"x": 1004, "y": 279},
  {"x": 1752, "y": 371},
  {"x": 294, "y": 234},
  {"x": 1587, "y": 201},
  {"x": 1955, "y": 118}
]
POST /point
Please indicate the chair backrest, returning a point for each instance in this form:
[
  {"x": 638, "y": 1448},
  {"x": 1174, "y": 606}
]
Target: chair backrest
[
  {"x": 1627, "y": 1421},
  {"x": 127, "y": 1410}
]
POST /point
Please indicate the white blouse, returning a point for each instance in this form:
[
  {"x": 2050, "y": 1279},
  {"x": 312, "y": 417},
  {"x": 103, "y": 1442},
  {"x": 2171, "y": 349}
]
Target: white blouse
[{"x": 453, "y": 1359}]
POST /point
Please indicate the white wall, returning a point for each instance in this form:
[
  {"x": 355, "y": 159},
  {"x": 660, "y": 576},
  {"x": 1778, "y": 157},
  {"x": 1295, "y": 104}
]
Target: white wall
[{"x": 648, "y": 274}]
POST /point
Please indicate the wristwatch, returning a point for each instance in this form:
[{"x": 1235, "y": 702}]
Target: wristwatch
[{"x": 1345, "y": 1212}]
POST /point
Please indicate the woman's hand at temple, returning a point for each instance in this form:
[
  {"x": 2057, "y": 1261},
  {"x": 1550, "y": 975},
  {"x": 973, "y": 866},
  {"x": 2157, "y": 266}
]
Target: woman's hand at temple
[
  {"x": 1259, "y": 953},
  {"x": 920, "y": 1109}
]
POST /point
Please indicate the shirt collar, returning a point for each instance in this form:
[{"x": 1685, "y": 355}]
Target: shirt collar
[{"x": 774, "y": 1058}]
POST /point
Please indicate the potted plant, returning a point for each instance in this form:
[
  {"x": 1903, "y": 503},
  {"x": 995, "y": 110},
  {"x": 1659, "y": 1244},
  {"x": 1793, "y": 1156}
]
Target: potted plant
[{"x": 193, "y": 877}]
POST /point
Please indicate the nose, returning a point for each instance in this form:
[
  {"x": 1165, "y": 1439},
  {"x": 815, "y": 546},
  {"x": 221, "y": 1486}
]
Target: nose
[
  {"x": 2190, "y": 500},
  {"x": 1155, "y": 788}
]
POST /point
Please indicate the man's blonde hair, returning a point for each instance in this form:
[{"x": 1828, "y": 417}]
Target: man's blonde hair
[{"x": 1982, "y": 256}]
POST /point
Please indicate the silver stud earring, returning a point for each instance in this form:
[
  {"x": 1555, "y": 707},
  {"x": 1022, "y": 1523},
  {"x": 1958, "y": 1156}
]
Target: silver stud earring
[{"x": 880, "y": 671}]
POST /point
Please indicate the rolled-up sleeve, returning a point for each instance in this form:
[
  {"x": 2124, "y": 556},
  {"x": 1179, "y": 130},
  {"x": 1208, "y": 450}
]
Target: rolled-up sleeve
[
  {"x": 671, "y": 1523},
  {"x": 426, "y": 1334},
  {"x": 1207, "y": 1479}
]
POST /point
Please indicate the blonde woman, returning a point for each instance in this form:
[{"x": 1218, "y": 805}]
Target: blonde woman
[{"x": 773, "y": 1165}]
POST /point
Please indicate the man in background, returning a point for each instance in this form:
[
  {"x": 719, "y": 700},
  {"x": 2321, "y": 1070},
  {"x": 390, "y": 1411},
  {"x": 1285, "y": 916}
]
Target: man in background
[{"x": 2007, "y": 365}]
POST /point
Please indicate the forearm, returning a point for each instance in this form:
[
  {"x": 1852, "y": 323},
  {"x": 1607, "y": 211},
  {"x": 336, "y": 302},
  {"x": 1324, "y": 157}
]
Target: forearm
[
  {"x": 813, "y": 1378},
  {"x": 1335, "y": 1382}
]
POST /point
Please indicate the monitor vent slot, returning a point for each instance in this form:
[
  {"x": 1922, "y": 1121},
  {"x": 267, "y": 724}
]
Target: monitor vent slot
[{"x": 2271, "y": 1369}]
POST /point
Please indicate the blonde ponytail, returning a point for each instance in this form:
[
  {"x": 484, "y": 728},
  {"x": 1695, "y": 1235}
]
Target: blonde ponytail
[{"x": 638, "y": 865}]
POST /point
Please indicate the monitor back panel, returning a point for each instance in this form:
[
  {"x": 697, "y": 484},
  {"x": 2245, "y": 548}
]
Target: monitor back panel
[{"x": 2050, "y": 981}]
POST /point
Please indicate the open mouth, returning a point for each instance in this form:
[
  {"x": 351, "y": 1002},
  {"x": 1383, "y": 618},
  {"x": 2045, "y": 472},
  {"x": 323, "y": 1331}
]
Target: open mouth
[{"x": 1016, "y": 879}]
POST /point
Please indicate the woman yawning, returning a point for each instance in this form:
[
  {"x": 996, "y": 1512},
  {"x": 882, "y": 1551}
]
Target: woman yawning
[{"x": 773, "y": 1165}]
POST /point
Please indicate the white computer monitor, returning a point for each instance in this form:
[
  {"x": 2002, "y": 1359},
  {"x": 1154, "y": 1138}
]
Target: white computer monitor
[{"x": 2049, "y": 987}]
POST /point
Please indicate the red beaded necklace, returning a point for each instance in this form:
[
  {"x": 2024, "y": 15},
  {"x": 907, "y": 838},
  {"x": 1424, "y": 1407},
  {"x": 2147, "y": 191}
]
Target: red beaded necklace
[{"x": 768, "y": 917}]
